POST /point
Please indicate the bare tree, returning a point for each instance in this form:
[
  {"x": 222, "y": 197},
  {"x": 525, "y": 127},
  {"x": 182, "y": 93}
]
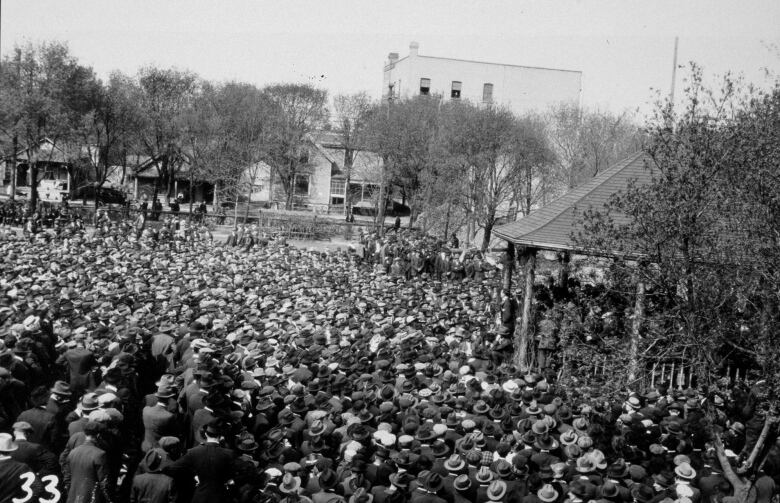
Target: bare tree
[
  {"x": 353, "y": 113},
  {"x": 298, "y": 110}
]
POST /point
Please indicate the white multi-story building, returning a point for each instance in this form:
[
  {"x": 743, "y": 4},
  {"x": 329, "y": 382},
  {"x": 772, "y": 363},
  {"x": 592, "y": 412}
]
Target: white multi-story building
[{"x": 520, "y": 88}]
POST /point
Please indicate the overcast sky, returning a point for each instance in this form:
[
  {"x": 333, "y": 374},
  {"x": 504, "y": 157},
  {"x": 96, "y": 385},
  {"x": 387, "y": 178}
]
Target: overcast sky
[{"x": 624, "y": 48}]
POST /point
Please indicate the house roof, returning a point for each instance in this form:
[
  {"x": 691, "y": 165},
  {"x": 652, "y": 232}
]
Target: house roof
[
  {"x": 49, "y": 151},
  {"x": 365, "y": 164},
  {"x": 551, "y": 227}
]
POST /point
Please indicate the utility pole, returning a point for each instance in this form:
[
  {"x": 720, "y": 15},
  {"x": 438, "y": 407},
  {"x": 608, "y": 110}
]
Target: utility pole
[{"x": 674, "y": 71}]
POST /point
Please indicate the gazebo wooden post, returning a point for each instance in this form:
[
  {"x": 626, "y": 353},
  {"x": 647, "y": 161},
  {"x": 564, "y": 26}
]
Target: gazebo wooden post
[
  {"x": 528, "y": 259},
  {"x": 509, "y": 267},
  {"x": 636, "y": 326},
  {"x": 564, "y": 260}
]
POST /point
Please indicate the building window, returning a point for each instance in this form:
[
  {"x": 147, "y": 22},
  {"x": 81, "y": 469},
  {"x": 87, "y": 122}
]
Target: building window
[
  {"x": 337, "y": 187},
  {"x": 487, "y": 93},
  {"x": 455, "y": 93},
  {"x": 301, "y": 185},
  {"x": 425, "y": 87},
  {"x": 390, "y": 91}
]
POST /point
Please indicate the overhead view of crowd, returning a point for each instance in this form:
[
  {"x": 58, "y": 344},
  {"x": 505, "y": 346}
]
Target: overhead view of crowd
[{"x": 215, "y": 372}]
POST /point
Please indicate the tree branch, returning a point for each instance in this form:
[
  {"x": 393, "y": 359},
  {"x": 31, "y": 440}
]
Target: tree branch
[
  {"x": 768, "y": 423},
  {"x": 728, "y": 472}
]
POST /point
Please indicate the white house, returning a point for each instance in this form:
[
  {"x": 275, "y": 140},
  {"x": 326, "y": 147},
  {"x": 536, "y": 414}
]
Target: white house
[{"x": 520, "y": 88}]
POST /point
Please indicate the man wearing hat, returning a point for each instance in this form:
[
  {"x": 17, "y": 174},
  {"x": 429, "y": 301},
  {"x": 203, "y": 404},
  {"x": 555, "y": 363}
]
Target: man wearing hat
[
  {"x": 43, "y": 421},
  {"x": 152, "y": 485},
  {"x": 210, "y": 463},
  {"x": 158, "y": 421},
  {"x": 329, "y": 488},
  {"x": 41, "y": 460},
  {"x": 80, "y": 362},
  {"x": 86, "y": 473},
  {"x": 79, "y": 416},
  {"x": 426, "y": 492},
  {"x": 12, "y": 473}
]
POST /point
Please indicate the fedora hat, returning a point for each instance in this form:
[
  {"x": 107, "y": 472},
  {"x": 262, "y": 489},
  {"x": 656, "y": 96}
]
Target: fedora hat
[
  {"x": 484, "y": 475},
  {"x": 502, "y": 468},
  {"x": 248, "y": 445},
  {"x": 481, "y": 407},
  {"x": 546, "y": 443},
  {"x": 496, "y": 490},
  {"x": 7, "y": 443},
  {"x": 462, "y": 483},
  {"x": 618, "y": 469},
  {"x": 328, "y": 479},
  {"x": 431, "y": 481},
  {"x": 89, "y": 402},
  {"x": 533, "y": 410},
  {"x": 569, "y": 437},
  {"x": 585, "y": 464},
  {"x": 454, "y": 463},
  {"x": 290, "y": 484},
  {"x": 61, "y": 388},
  {"x": 642, "y": 493},
  {"x": 165, "y": 391},
  {"x": 401, "y": 479},
  {"x": 609, "y": 490},
  {"x": 582, "y": 489},
  {"x": 153, "y": 461},
  {"x": 685, "y": 471},
  {"x": 540, "y": 428},
  {"x": 440, "y": 449},
  {"x": 547, "y": 493}
]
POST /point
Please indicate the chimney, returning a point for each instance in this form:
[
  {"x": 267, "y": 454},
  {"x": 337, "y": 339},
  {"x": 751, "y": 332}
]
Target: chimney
[
  {"x": 413, "y": 48},
  {"x": 392, "y": 58}
]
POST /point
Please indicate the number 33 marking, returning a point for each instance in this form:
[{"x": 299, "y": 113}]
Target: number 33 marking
[{"x": 50, "y": 486}]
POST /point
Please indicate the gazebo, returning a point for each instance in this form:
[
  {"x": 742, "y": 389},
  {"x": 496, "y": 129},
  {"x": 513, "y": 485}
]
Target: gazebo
[{"x": 553, "y": 227}]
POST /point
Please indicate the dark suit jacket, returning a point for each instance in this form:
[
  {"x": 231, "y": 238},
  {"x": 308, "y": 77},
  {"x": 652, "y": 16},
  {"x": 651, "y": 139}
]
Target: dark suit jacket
[
  {"x": 43, "y": 425},
  {"x": 158, "y": 422},
  {"x": 201, "y": 418},
  {"x": 10, "y": 480},
  {"x": 80, "y": 362},
  {"x": 213, "y": 465},
  {"x": 40, "y": 460},
  {"x": 152, "y": 488},
  {"x": 86, "y": 473}
]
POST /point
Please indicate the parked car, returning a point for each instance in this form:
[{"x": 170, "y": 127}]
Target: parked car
[{"x": 106, "y": 195}]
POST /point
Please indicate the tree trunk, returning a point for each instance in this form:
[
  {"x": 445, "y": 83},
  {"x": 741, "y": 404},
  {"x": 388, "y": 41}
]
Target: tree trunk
[
  {"x": 190, "y": 188},
  {"x": 469, "y": 225},
  {"x": 33, "y": 167},
  {"x": 639, "y": 314},
  {"x": 248, "y": 200},
  {"x": 12, "y": 162},
  {"x": 348, "y": 159},
  {"x": 447, "y": 221},
  {"x": 488, "y": 231},
  {"x": 522, "y": 337},
  {"x": 380, "y": 220}
]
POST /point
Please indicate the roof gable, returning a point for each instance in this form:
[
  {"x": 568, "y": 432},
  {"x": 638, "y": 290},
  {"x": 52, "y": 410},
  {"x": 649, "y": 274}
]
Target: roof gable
[{"x": 551, "y": 226}]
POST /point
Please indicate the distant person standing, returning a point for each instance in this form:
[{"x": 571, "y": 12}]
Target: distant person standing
[
  {"x": 454, "y": 242},
  {"x": 144, "y": 206},
  {"x": 174, "y": 206},
  {"x": 156, "y": 208}
]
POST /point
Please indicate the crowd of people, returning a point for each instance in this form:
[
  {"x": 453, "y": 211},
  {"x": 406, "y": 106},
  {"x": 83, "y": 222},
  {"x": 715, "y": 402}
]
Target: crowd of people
[{"x": 216, "y": 372}]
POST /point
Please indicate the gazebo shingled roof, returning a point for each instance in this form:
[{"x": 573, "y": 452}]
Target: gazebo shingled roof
[{"x": 551, "y": 227}]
